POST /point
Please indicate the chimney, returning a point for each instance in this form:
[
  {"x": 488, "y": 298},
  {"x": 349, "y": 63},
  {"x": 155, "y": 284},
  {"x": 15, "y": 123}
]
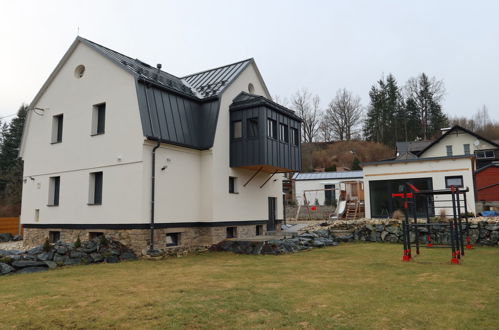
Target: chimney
[
  {"x": 159, "y": 66},
  {"x": 445, "y": 130}
]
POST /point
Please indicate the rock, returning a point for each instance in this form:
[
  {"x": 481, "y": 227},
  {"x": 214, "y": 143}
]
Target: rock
[
  {"x": 111, "y": 259},
  {"x": 5, "y": 237},
  {"x": 51, "y": 264},
  {"x": 36, "y": 250},
  {"x": 383, "y": 235},
  {"x": 5, "y": 268},
  {"x": 308, "y": 235},
  {"x": 17, "y": 238},
  {"x": 423, "y": 230},
  {"x": 492, "y": 227},
  {"x": 379, "y": 228},
  {"x": 322, "y": 233},
  {"x": 370, "y": 227},
  {"x": 96, "y": 257},
  {"x": 77, "y": 254},
  {"x": 344, "y": 238},
  {"x": 46, "y": 256},
  {"x": 28, "y": 263},
  {"x": 29, "y": 270},
  {"x": 89, "y": 246},
  {"x": 60, "y": 259},
  {"x": 494, "y": 237},
  {"x": 473, "y": 226},
  {"x": 392, "y": 238},
  {"x": 61, "y": 249},
  {"x": 318, "y": 244},
  {"x": 72, "y": 261}
]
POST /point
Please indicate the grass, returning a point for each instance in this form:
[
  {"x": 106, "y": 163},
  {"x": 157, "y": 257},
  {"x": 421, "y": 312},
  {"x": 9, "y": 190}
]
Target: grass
[{"x": 349, "y": 286}]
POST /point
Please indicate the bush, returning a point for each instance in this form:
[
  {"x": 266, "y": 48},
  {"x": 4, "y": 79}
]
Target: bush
[
  {"x": 78, "y": 242},
  {"x": 103, "y": 240},
  {"x": 46, "y": 245}
]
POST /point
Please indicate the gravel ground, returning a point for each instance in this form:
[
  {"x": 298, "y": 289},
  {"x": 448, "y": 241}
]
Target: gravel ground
[{"x": 12, "y": 245}]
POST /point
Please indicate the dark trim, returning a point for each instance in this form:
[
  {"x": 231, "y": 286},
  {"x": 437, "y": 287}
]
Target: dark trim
[
  {"x": 453, "y": 129},
  {"x": 256, "y": 100},
  {"x": 145, "y": 225},
  {"x": 486, "y": 167},
  {"x": 340, "y": 179},
  {"x": 412, "y": 160}
]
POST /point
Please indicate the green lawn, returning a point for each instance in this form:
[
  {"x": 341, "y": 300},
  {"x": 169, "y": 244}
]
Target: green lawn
[{"x": 349, "y": 286}]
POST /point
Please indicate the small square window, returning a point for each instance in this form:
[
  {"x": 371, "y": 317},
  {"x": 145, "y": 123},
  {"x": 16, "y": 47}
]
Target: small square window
[
  {"x": 231, "y": 232},
  {"x": 54, "y": 190},
  {"x": 259, "y": 230},
  {"x": 94, "y": 234},
  {"x": 466, "y": 149},
  {"x": 232, "y": 185},
  {"x": 271, "y": 128},
  {"x": 95, "y": 188},
  {"x": 173, "y": 239},
  {"x": 456, "y": 181},
  {"x": 99, "y": 119},
  {"x": 54, "y": 236},
  {"x": 449, "y": 150},
  {"x": 253, "y": 127},
  {"x": 283, "y": 133},
  {"x": 237, "y": 129},
  {"x": 57, "y": 124}
]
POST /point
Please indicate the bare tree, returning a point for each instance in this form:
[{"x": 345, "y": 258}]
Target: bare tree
[
  {"x": 307, "y": 107},
  {"x": 281, "y": 100},
  {"x": 481, "y": 118},
  {"x": 343, "y": 115}
]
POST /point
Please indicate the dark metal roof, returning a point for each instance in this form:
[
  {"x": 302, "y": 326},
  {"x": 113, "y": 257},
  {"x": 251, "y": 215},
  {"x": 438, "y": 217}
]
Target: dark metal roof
[
  {"x": 246, "y": 100},
  {"x": 411, "y": 146},
  {"x": 394, "y": 161},
  {"x": 406, "y": 155},
  {"x": 214, "y": 81},
  {"x": 493, "y": 164}
]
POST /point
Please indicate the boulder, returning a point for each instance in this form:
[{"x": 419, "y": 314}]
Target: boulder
[
  {"x": 5, "y": 237},
  {"x": 492, "y": 227},
  {"x": 51, "y": 264},
  {"x": 111, "y": 259},
  {"x": 96, "y": 257},
  {"x": 61, "y": 249},
  {"x": 28, "y": 263},
  {"x": 5, "y": 268},
  {"x": 36, "y": 250},
  {"x": 77, "y": 254},
  {"x": 379, "y": 228},
  {"x": 392, "y": 229},
  {"x": 383, "y": 235},
  {"x": 28, "y": 270},
  {"x": 60, "y": 259},
  {"x": 46, "y": 256}
]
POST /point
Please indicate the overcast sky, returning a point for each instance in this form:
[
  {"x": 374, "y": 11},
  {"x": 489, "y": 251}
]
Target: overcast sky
[{"x": 319, "y": 45}]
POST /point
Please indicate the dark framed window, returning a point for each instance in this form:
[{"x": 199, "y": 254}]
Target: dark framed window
[
  {"x": 95, "y": 191},
  {"x": 466, "y": 149},
  {"x": 252, "y": 127},
  {"x": 94, "y": 234},
  {"x": 271, "y": 128},
  {"x": 283, "y": 133},
  {"x": 173, "y": 239},
  {"x": 232, "y": 185},
  {"x": 99, "y": 119},
  {"x": 231, "y": 232},
  {"x": 295, "y": 139},
  {"x": 449, "y": 150},
  {"x": 456, "y": 181},
  {"x": 237, "y": 129},
  {"x": 54, "y": 236},
  {"x": 485, "y": 154},
  {"x": 57, "y": 125},
  {"x": 54, "y": 190}
]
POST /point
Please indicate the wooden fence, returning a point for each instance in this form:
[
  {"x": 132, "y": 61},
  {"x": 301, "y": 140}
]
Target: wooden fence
[{"x": 10, "y": 225}]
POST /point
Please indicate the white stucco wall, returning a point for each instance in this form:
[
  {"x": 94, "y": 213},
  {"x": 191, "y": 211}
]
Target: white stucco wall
[
  {"x": 457, "y": 140},
  {"x": 435, "y": 169},
  {"x": 118, "y": 152}
]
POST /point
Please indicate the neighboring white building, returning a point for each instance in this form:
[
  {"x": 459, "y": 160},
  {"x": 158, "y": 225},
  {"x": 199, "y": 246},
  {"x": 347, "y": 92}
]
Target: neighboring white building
[
  {"x": 319, "y": 181},
  {"x": 103, "y": 121},
  {"x": 449, "y": 160}
]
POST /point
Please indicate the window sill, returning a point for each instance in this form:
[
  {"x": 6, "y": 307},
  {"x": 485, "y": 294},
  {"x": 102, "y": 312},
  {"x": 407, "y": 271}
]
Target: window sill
[
  {"x": 94, "y": 204},
  {"x": 233, "y": 193},
  {"x": 56, "y": 142},
  {"x": 96, "y": 134},
  {"x": 52, "y": 205}
]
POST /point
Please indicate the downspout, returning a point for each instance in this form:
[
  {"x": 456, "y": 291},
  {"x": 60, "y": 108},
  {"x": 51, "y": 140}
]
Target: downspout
[{"x": 153, "y": 182}]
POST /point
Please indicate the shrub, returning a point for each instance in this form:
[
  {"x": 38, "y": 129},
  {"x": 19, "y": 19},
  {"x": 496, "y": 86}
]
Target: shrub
[
  {"x": 443, "y": 215},
  {"x": 46, "y": 245},
  {"x": 103, "y": 240},
  {"x": 78, "y": 242}
]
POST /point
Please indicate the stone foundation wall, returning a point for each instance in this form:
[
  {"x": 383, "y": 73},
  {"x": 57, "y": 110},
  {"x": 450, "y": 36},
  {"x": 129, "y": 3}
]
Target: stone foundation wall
[{"x": 191, "y": 238}]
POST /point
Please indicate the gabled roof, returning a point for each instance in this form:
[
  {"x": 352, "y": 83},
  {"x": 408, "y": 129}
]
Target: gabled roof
[
  {"x": 328, "y": 175},
  {"x": 454, "y": 128},
  {"x": 411, "y": 146},
  {"x": 214, "y": 81}
]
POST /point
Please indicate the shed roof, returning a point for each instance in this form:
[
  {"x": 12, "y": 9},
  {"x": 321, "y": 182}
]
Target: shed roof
[{"x": 329, "y": 175}]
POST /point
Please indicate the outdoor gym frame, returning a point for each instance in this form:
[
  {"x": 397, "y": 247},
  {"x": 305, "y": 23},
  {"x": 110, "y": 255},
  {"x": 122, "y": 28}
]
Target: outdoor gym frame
[{"x": 455, "y": 224}]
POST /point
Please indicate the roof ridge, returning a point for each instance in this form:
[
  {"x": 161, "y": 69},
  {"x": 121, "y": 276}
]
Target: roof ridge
[{"x": 217, "y": 68}]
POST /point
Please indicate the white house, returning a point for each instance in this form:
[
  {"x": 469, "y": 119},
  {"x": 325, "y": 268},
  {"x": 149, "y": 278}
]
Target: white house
[
  {"x": 322, "y": 186},
  {"x": 449, "y": 160},
  {"x": 114, "y": 146}
]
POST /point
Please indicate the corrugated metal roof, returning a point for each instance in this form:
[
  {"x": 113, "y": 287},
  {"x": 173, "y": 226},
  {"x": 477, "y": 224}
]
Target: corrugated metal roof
[
  {"x": 329, "y": 175},
  {"x": 214, "y": 81}
]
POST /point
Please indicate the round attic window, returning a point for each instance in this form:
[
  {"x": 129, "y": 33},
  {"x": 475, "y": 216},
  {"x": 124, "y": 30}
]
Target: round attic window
[
  {"x": 251, "y": 88},
  {"x": 79, "y": 71}
]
